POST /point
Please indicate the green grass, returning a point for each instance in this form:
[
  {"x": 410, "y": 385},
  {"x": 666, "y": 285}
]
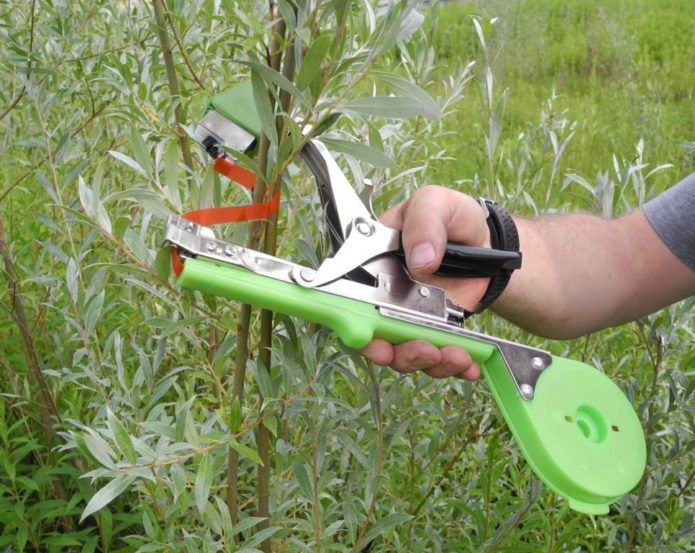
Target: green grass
[{"x": 623, "y": 71}]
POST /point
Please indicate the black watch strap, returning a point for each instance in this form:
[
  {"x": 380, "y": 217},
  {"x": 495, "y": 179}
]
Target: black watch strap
[{"x": 503, "y": 236}]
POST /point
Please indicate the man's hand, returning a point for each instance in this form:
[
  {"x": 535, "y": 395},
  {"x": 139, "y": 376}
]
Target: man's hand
[
  {"x": 580, "y": 273},
  {"x": 430, "y": 218}
]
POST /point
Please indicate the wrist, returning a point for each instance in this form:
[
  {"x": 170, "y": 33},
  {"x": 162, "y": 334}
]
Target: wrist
[{"x": 502, "y": 235}]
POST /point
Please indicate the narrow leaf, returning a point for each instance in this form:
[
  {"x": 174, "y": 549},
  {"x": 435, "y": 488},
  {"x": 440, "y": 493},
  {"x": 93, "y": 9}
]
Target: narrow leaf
[
  {"x": 162, "y": 264},
  {"x": 203, "y": 481},
  {"x": 137, "y": 144},
  {"x": 129, "y": 161},
  {"x": 260, "y": 536},
  {"x": 93, "y": 312},
  {"x": 121, "y": 437},
  {"x": 384, "y": 524},
  {"x": 393, "y": 107},
  {"x": 178, "y": 476},
  {"x": 359, "y": 151},
  {"x": 311, "y": 64},
  {"x": 107, "y": 494},
  {"x": 99, "y": 449},
  {"x": 235, "y": 415},
  {"x": 406, "y": 88},
  {"x": 246, "y": 452},
  {"x": 302, "y": 477},
  {"x": 71, "y": 279},
  {"x": 273, "y": 77},
  {"x": 171, "y": 172},
  {"x": 245, "y": 524},
  {"x": 271, "y": 423},
  {"x": 265, "y": 111}
]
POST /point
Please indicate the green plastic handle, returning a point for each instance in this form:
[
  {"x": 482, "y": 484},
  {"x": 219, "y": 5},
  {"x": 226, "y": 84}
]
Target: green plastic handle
[{"x": 579, "y": 433}]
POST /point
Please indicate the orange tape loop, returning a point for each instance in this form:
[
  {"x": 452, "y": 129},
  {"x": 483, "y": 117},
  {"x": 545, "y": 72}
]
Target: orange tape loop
[
  {"x": 230, "y": 214},
  {"x": 225, "y": 166},
  {"x": 234, "y": 213}
]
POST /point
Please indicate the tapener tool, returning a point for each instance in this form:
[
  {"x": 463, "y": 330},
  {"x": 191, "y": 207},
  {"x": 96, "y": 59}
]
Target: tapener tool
[{"x": 575, "y": 427}]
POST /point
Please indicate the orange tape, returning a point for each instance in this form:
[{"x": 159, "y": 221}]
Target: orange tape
[
  {"x": 231, "y": 214},
  {"x": 235, "y": 213},
  {"x": 225, "y": 166}
]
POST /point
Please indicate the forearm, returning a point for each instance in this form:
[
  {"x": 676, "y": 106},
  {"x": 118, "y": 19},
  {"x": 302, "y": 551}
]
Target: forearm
[{"x": 581, "y": 273}]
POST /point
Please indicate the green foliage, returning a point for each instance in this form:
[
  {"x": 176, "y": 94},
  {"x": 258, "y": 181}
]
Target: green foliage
[
  {"x": 622, "y": 72},
  {"x": 118, "y": 418}
]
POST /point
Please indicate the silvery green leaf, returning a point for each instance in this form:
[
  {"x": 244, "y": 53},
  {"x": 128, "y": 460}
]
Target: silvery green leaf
[
  {"x": 107, "y": 494},
  {"x": 72, "y": 279},
  {"x": 412, "y": 21},
  {"x": 272, "y": 77},
  {"x": 143, "y": 449},
  {"x": 391, "y": 107},
  {"x": 302, "y": 477},
  {"x": 353, "y": 448},
  {"x": 99, "y": 449},
  {"x": 121, "y": 436},
  {"x": 311, "y": 64},
  {"x": 246, "y": 451},
  {"x": 265, "y": 386},
  {"x": 59, "y": 254},
  {"x": 288, "y": 15},
  {"x": 386, "y": 523},
  {"x": 93, "y": 312},
  {"x": 171, "y": 172},
  {"x": 178, "y": 476},
  {"x": 271, "y": 423},
  {"x": 129, "y": 161},
  {"x": 47, "y": 186},
  {"x": 147, "y": 199},
  {"x": 407, "y": 88},
  {"x": 203, "y": 481},
  {"x": 246, "y": 523},
  {"x": 260, "y": 536},
  {"x": 162, "y": 263},
  {"x": 235, "y": 415},
  {"x": 86, "y": 197},
  {"x": 359, "y": 151},
  {"x": 140, "y": 151},
  {"x": 263, "y": 107}
]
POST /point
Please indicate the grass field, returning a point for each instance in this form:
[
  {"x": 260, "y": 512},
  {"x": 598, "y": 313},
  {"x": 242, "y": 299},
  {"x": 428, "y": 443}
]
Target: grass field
[{"x": 618, "y": 73}]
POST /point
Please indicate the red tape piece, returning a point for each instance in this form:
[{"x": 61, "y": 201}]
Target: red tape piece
[
  {"x": 234, "y": 213},
  {"x": 230, "y": 214},
  {"x": 225, "y": 166},
  {"x": 176, "y": 261}
]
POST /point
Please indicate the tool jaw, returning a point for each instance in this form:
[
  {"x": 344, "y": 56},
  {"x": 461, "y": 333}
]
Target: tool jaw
[{"x": 394, "y": 291}]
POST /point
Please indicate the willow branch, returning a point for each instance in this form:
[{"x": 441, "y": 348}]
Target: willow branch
[{"x": 172, "y": 79}]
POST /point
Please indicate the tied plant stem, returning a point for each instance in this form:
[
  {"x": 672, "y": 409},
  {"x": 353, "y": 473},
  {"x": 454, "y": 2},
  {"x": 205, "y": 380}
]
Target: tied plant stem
[{"x": 265, "y": 233}]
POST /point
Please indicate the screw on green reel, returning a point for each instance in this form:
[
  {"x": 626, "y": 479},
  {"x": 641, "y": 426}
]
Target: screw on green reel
[{"x": 579, "y": 433}]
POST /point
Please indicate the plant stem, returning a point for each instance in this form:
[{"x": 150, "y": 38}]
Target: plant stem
[
  {"x": 172, "y": 79},
  {"x": 656, "y": 368},
  {"x": 242, "y": 355},
  {"x": 186, "y": 59},
  {"x": 47, "y": 406}
]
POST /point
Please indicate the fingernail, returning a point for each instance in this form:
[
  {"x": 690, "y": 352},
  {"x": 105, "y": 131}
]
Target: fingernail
[{"x": 421, "y": 255}]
